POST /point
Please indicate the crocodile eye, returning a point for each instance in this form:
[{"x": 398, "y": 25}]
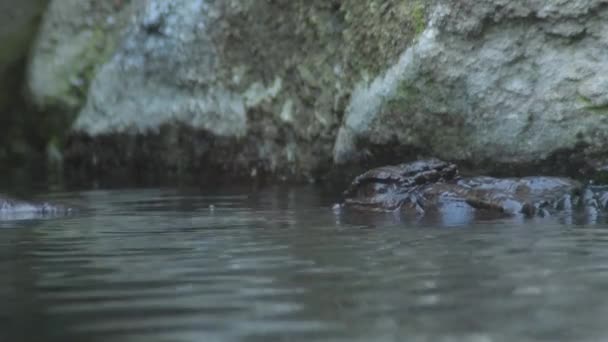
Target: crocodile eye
[
  {"x": 372, "y": 189},
  {"x": 381, "y": 189}
]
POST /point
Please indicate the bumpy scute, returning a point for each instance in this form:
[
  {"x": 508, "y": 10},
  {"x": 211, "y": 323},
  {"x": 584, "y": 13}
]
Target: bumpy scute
[{"x": 433, "y": 185}]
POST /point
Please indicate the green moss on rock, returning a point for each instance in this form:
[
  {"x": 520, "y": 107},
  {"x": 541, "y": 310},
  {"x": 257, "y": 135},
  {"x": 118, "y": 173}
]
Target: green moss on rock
[
  {"x": 317, "y": 49},
  {"x": 378, "y": 31},
  {"x": 76, "y": 38},
  {"x": 589, "y": 106},
  {"x": 19, "y": 25}
]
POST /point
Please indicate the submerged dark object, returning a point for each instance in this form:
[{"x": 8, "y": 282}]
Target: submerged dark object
[
  {"x": 12, "y": 209},
  {"x": 388, "y": 187},
  {"x": 433, "y": 185}
]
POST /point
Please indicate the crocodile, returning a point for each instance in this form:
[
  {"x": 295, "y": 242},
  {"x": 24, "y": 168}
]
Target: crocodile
[
  {"x": 433, "y": 185},
  {"x": 14, "y": 209}
]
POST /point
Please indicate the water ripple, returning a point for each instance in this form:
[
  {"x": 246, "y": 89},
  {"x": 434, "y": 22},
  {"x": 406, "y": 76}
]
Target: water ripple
[{"x": 278, "y": 264}]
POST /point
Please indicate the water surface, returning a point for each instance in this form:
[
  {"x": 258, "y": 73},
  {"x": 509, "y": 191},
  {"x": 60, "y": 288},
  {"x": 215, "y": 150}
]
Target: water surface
[{"x": 280, "y": 265}]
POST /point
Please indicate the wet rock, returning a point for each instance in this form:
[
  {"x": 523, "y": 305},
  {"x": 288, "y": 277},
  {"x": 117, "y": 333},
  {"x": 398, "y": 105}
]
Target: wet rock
[
  {"x": 484, "y": 80},
  {"x": 244, "y": 75},
  {"x": 76, "y": 37},
  {"x": 20, "y": 22},
  {"x": 293, "y": 89}
]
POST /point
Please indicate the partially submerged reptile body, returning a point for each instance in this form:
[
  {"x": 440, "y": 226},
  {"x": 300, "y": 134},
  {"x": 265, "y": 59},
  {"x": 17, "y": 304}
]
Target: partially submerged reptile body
[
  {"x": 434, "y": 186},
  {"x": 13, "y": 209},
  {"x": 387, "y": 188}
]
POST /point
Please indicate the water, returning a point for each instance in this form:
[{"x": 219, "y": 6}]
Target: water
[{"x": 279, "y": 265}]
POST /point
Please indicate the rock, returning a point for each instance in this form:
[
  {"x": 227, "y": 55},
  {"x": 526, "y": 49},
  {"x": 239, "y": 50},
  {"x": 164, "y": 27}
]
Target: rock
[
  {"x": 18, "y": 137},
  {"x": 155, "y": 77},
  {"x": 76, "y": 37},
  {"x": 294, "y": 90},
  {"x": 496, "y": 81},
  {"x": 594, "y": 91},
  {"x": 244, "y": 88},
  {"x": 19, "y": 25}
]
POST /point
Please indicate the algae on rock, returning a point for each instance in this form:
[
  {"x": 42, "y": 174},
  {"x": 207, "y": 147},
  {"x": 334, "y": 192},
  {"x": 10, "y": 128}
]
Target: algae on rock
[
  {"x": 497, "y": 83},
  {"x": 296, "y": 88},
  {"x": 19, "y": 25},
  {"x": 76, "y": 37},
  {"x": 269, "y": 80},
  {"x": 18, "y": 127},
  {"x": 378, "y": 31}
]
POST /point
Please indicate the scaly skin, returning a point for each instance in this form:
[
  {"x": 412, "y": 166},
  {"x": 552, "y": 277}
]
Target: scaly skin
[
  {"x": 434, "y": 186},
  {"x": 388, "y": 187}
]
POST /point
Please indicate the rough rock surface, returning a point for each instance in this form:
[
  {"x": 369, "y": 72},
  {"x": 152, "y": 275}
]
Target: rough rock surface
[
  {"x": 19, "y": 23},
  {"x": 494, "y": 80},
  {"x": 75, "y": 37},
  {"x": 293, "y": 88},
  {"x": 241, "y": 86}
]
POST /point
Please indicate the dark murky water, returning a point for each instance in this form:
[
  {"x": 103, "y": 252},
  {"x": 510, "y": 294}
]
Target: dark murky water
[{"x": 279, "y": 265}]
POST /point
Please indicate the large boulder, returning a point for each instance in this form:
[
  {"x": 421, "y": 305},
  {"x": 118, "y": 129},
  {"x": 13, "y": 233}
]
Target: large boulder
[
  {"x": 76, "y": 37},
  {"x": 297, "y": 88},
  {"x": 20, "y": 22},
  {"x": 239, "y": 88},
  {"x": 495, "y": 82}
]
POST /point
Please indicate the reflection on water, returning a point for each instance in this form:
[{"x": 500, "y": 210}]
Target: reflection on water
[{"x": 279, "y": 265}]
